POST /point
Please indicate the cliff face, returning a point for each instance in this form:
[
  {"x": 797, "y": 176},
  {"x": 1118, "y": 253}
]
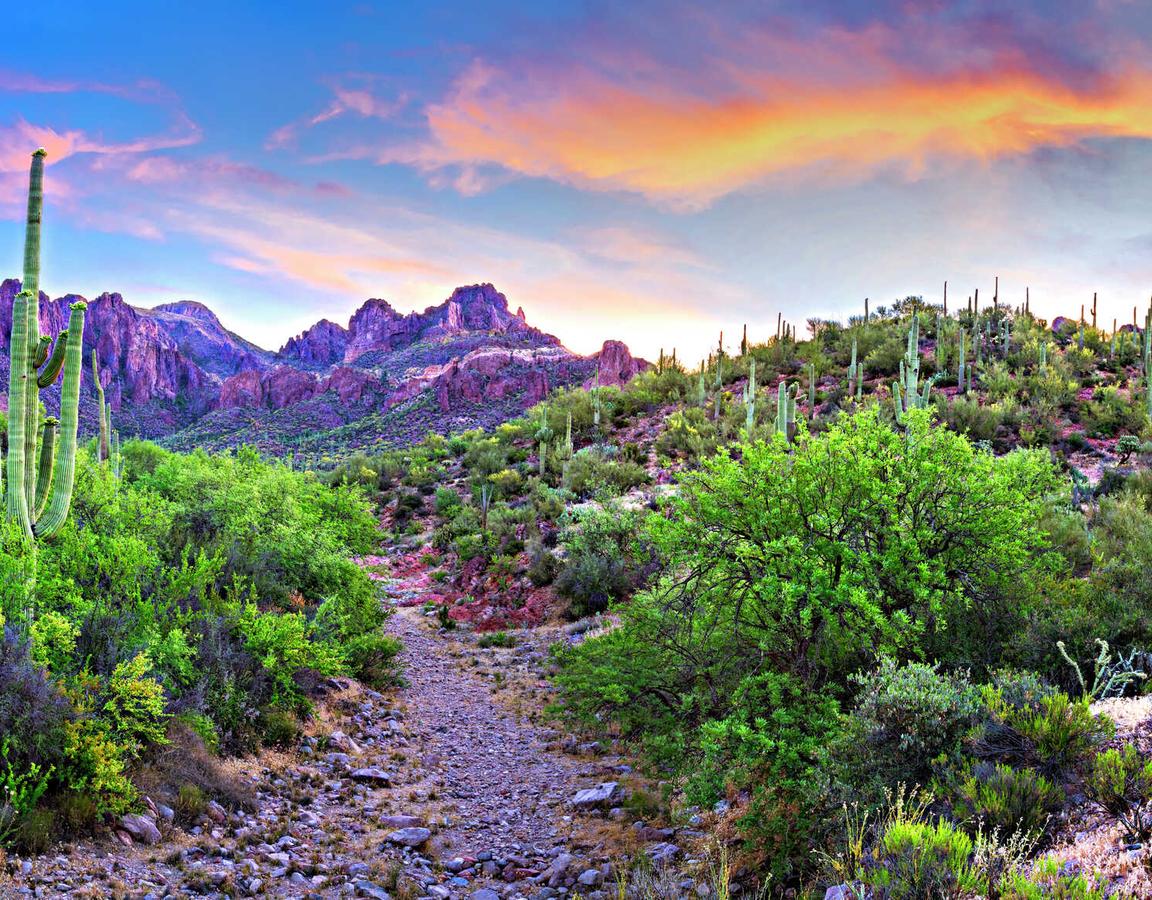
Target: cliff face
[{"x": 463, "y": 362}]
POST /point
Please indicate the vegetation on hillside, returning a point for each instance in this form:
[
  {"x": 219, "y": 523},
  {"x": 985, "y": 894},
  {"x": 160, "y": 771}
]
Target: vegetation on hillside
[{"x": 837, "y": 570}]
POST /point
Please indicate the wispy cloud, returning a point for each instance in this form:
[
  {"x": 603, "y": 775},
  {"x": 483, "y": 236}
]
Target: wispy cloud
[{"x": 359, "y": 101}]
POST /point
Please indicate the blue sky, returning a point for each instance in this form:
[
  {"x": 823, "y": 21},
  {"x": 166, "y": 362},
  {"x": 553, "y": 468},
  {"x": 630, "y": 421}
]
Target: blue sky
[{"x": 651, "y": 171}]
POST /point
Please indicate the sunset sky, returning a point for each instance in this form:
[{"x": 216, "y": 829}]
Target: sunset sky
[{"x": 653, "y": 172}]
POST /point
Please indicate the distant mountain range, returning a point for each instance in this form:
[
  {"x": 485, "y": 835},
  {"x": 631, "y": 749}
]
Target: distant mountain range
[{"x": 175, "y": 373}]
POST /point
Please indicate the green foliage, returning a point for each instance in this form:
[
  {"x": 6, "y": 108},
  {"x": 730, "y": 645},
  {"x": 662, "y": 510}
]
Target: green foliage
[
  {"x": 1053, "y": 734},
  {"x": 53, "y": 642},
  {"x": 284, "y": 645},
  {"x": 134, "y": 705},
  {"x": 918, "y": 860},
  {"x": 1000, "y": 798},
  {"x": 1120, "y": 783},
  {"x": 603, "y": 558},
  {"x": 905, "y": 717},
  {"x": 774, "y": 740},
  {"x": 1048, "y": 883}
]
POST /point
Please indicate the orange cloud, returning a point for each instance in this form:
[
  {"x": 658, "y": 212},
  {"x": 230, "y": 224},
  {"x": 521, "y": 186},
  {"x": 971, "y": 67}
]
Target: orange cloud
[{"x": 679, "y": 144}]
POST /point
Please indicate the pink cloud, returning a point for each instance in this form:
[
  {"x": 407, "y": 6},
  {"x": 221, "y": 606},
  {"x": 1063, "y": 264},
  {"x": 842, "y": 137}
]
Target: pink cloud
[{"x": 345, "y": 100}]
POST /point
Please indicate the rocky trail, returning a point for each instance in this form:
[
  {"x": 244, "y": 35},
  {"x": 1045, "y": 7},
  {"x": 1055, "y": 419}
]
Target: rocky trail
[{"x": 441, "y": 789}]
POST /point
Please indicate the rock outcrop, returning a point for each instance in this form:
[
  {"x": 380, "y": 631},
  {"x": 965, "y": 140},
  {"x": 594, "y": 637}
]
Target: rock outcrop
[{"x": 615, "y": 365}]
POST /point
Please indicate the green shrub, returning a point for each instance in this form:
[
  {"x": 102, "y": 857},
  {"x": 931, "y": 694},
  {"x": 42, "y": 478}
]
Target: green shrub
[
  {"x": 281, "y": 728},
  {"x": 53, "y": 642},
  {"x": 1120, "y": 782},
  {"x": 915, "y": 860},
  {"x": 1006, "y": 800},
  {"x": 134, "y": 705},
  {"x": 1053, "y": 734},
  {"x": 496, "y": 639},
  {"x": 604, "y": 560},
  {"x": 775, "y": 743},
  {"x": 907, "y": 716},
  {"x": 190, "y": 804},
  {"x": 283, "y": 644},
  {"x": 1048, "y": 883},
  {"x": 1062, "y": 732},
  {"x": 371, "y": 658}
]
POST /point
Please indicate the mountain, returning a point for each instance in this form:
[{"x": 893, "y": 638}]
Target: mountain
[{"x": 175, "y": 373}]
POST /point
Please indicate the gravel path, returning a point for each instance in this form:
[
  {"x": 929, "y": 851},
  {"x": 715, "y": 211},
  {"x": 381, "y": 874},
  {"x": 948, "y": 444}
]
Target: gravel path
[
  {"x": 502, "y": 785},
  {"x": 438, "y": 791}
]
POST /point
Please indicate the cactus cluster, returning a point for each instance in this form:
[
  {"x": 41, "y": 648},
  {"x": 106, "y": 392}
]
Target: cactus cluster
[{"x": 39, "y": 484}]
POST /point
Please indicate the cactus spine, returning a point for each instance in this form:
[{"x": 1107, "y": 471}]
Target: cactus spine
[{"x": 39, "y": 485}]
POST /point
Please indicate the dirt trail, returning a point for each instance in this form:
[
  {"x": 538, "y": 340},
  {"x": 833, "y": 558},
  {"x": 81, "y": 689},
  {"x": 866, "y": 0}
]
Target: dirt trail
[
  {"x": 435, "y": 791},
  {"x": 502, "y": 787}
]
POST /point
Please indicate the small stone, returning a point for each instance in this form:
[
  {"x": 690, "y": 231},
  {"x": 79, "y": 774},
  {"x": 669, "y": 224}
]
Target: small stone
[
  {"x": 372, "y": 775},
  {"x": 484, "y": 894},
  {"x": 409, "y": 837},
  {"x": 402, "y": 821},
  {"x": 601, "y": 795},
  {"x": 141, "y": 828},
  {"x": 372, "y": 890},
  {"x": 590, "y": 878}
]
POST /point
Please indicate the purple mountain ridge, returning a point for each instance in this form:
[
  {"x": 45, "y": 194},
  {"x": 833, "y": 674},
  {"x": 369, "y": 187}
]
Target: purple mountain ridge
[{"x": 175, "y": 372}]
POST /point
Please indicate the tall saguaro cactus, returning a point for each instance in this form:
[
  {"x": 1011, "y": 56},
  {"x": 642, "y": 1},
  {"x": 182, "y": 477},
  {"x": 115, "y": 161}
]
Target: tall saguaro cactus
[
  {"x": 103, "y": 445},
  {"x": 39, "y": 486},
  {"x": 906, "y": 393}
]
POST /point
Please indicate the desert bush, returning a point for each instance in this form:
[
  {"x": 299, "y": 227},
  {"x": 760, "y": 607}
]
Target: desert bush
[
  {"x": 1120, "y": 782},
  {"x": 1006, "y": 800},
  {"x": 604, "y": 560},
  {"x": 905, "y": 717}
]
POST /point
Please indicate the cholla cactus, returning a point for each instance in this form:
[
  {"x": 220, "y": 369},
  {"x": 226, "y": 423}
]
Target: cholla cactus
[{"x": 39, "y": 485}]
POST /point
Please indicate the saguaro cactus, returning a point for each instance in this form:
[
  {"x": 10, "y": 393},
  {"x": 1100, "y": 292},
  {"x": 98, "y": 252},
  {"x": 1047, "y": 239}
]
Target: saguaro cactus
[
  {"x": 103, "y": 444},
  {"x": 960, "y": 367},
  {"x": 750, "y": 397},
  {"x": 543, "y": 436},
  {"x": 906, "y": 393},
  {"x": 786, "y": 411},
  {"x": 39, "y": 489},
  {"x": 854, "y": 372}
]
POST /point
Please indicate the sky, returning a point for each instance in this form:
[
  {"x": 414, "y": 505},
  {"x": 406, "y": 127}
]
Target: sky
[{"x": 655, "y": 172}]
